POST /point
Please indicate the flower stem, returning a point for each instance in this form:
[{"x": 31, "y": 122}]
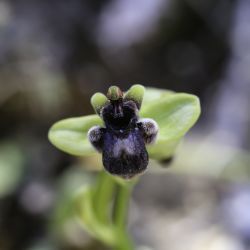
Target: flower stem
[
  {"x": 103, "y": 195},
  {"x": 120, "y": 216}
]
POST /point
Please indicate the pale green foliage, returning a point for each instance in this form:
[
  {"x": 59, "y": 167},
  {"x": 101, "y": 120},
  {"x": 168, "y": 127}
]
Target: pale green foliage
[
  {"x": 102, "y": 213},
  {"x": 11, "y": 167}
]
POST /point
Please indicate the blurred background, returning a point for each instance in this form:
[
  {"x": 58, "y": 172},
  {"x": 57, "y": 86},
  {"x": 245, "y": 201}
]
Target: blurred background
[{"x": 55, "y": 54}]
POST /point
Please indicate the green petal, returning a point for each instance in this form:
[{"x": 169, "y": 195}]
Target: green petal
[
  {"x": 175, "y": 114},
  {"x": 98, "y": 101},
  {"x": 135, "y": 93},
  {"x": 70, "y": 135}
]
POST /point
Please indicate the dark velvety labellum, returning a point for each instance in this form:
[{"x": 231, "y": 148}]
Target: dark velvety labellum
[{"x": 125, "y": 155}]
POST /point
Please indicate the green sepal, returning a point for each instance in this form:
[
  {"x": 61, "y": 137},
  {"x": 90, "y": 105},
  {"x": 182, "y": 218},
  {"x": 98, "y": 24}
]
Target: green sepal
[
  {"x": 70, "y": 135},
  {"x": 175, "y": 114},
  {"x": 135, "y": 93},
  {"x": 98, "y": 101}
]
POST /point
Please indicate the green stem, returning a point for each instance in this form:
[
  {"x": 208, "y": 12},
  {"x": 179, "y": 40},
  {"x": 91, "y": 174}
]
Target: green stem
[
  {"x": 103, "y": 196},
  {"x": 120, "y": 217}
]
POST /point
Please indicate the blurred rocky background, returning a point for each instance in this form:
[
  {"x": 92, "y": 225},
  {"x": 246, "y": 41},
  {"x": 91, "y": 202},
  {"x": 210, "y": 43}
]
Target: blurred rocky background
[{"x": 55, "y": 54}]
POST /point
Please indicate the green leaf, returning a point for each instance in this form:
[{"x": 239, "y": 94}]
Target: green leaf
[
  {"x": 175, "y": 114},
  {"x": 70, "y": 135},
  {"x": 11, "y": 167},
  {"x": 84, "y": 204}
]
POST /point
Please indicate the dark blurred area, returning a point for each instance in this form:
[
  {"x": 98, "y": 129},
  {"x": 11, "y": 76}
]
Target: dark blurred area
[{"x": 55, "y": 54}]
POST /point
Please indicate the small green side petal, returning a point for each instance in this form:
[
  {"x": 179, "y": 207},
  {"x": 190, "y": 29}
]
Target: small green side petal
[
  {"x": 135, "y": 93},
  {"x": 70, "y": 135},
  {"x": 98, "y": 101},
  {"x": 175, "y": 115}
]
